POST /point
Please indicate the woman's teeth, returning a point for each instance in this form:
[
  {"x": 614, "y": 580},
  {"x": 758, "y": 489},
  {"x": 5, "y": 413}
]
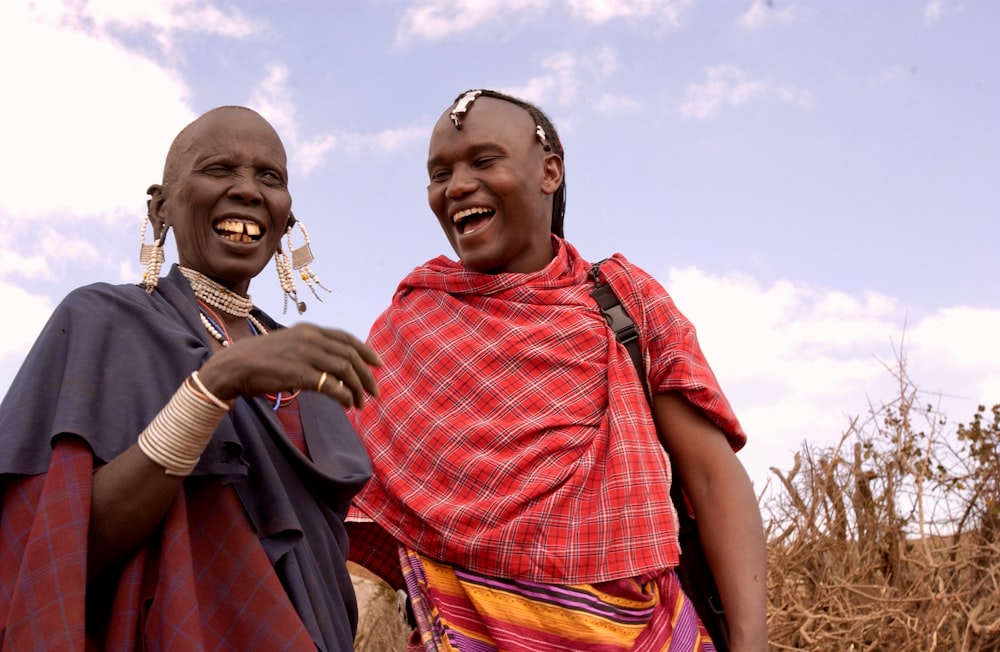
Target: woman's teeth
[{"x": 237, "y": 231}]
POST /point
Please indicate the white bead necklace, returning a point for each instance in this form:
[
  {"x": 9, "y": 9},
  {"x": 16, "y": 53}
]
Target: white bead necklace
[
  {"x": 216, "y": 295},
  {"x": 221, "y": 298}
]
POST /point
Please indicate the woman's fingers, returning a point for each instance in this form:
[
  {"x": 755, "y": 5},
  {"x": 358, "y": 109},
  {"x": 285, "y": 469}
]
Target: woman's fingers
[
  {"x": 350, "y": 361},
  {"x": 297, "y": 358}
]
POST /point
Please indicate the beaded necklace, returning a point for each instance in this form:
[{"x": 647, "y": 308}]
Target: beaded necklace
[
  {"x": 221, "y": 298},
  {"x": 213, "y": 295}
]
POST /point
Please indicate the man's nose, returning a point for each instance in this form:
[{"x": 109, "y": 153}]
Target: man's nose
[{"x": 461, "y": 183}]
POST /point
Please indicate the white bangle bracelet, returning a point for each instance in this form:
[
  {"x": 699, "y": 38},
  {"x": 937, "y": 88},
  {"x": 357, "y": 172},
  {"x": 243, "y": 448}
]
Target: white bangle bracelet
[
  {"x": 178, "y": 434},
  {"x": 207, "y": 394}
]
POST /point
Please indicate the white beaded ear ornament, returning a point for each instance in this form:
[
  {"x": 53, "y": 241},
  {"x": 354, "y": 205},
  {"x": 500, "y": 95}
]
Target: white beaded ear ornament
[
  {"x": 151, "y": 255},
  {"x": 300, "y": 259}
]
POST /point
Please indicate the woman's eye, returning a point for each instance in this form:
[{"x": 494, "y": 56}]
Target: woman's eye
[{"x": 273, "y": 178}]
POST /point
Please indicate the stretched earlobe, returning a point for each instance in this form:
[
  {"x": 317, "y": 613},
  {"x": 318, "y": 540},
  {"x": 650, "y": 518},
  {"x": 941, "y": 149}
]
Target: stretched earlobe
[{"x": 154, "y": 202}]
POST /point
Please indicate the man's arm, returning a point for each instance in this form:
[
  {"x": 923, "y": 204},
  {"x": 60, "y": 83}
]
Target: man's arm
[{"x": 727, "y": 514}]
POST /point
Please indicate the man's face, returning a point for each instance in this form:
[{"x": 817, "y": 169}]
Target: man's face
[
  {"x": 227, "y": 199},
  {"x": 491, "y": 186}
]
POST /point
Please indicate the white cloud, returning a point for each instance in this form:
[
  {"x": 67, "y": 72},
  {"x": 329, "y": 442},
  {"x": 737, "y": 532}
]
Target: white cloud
[
  {"x": 163, "y": 20},
  {"x": 438, "y": 19},
  {"x": 799, "y": 361},
  {"x": 796, "y": 96},
  {"x": 728, "y": 85},
  {"x": 933, "y": 11},
  {"x": 103, "y": 111},
  {"x": 566, "y": 72},
  {"x": 601, "y": 11},
  {"x": 616, "y": 104},
  {"x": 434, "y": 20},
  {"x": 725, "y": 85},
  {"x": 603, "y": 62},
  {"x": 763, "y": 13},
  {"x": 32, "y": 311},
  {"x": 557, "y": 86},
  {"x": 887, "y": 75},
  {"x": 385, "y": 142},
  {"x": 958, "y": 350},
  {"x": 102, "y": 117},
  {"x": 392, "y": 140},
  {"x": 272, "y": 100}
]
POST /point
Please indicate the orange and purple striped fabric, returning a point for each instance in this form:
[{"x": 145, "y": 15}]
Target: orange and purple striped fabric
[{"x": 462, "y": 611}]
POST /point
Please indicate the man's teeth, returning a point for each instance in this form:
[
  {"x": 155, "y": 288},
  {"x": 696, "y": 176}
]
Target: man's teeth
[
  {"x": 237, "y": 231},
  {"x": 468, "y": 212}
]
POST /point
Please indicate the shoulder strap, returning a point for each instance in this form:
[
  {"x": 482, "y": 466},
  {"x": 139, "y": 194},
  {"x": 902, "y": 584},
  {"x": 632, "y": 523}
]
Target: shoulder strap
[
  {"x": 694, "y": 572},
  {"x": 627, "y": 333},
  {"x": 619, "y": 321}
]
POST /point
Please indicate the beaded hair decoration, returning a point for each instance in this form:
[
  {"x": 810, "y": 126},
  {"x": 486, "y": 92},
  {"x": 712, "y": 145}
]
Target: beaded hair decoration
[
  {"x": 299, "y": 261},
  {"x": 463, "y": 105}
]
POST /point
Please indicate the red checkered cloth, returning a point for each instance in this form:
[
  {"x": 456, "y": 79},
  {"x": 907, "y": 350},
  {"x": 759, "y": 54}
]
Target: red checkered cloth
[
  {"x": 374, "y": 548},
  {"x": 495, "y": 442},
  {"x": 179, "y": 592}
]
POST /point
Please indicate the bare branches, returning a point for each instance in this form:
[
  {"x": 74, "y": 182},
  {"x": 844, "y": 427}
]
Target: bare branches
[{"x": 889, "y": 540}]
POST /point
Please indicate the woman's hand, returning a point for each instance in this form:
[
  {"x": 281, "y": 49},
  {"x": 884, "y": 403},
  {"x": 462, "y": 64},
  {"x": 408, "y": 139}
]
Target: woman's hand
[{"x": 294, "y": 358}]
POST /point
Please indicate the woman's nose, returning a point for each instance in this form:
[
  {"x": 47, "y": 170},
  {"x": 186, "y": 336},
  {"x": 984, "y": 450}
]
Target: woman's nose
[{"x": 246, "y": 189}]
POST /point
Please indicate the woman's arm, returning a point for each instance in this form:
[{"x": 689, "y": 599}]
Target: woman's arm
[{"x": 132, "y": 493}]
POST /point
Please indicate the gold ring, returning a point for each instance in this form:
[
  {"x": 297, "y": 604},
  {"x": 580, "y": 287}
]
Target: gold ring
[{"x": 322, "y": 381}]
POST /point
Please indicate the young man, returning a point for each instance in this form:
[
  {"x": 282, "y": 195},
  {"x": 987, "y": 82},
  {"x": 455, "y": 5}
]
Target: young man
[{"x": 515, "y": 457}]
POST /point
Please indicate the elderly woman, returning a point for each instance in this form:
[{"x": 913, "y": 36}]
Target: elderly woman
[{"x": 176, "y": 466}]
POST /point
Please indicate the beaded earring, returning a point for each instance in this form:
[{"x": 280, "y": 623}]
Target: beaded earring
[
  {"x": 300, "y": 259},
  {"x": 151, "y": 255}
]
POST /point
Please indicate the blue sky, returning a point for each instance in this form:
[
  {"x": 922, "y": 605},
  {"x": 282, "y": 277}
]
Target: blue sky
[{"x": 814, "y": 182}]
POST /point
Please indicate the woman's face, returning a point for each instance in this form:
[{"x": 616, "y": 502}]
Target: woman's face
[{"x": 225, "y": 195}]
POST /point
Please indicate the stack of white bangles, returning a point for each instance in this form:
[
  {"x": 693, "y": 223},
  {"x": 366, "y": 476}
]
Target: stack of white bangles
[{"x": 178, "y": 434}]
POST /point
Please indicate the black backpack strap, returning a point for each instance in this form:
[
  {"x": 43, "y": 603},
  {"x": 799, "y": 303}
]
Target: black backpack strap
[
  {"x": 620, "y": 322},
  {"x": 694, "y": 573}
]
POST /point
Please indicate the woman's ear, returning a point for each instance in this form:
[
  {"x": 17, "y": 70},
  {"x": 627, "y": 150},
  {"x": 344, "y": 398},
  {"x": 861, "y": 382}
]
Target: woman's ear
[
  {"x": 154, "y": 206},
  {"x": 552, "y": 173}
]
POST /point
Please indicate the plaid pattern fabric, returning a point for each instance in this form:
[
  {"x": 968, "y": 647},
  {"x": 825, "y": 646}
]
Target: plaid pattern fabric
[
  {"x": 495, "y": 443},
  {"x": 373, "y": 548},
  {"x": 204, "y": 584}
]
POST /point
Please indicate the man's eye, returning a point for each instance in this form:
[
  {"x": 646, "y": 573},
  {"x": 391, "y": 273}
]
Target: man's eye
[
  {"x": 484, "y": 161},
  {"x": 439, "y": 175},
  {"x": 216, "y": 170}
]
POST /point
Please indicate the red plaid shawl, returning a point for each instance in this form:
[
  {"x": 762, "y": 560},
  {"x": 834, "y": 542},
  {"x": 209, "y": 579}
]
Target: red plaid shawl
[
  {"x": 496, "y": 444},
  {"x": 207, "y": 584}
]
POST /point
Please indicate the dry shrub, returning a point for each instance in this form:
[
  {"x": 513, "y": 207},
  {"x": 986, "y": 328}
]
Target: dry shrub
[{"x": 888, "y": 540}]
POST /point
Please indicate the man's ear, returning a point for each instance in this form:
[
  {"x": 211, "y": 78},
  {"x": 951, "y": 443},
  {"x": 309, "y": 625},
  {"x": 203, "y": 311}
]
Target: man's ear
[
  {"x": 552, "y": 173},
  {"x": 154, "y": 206}
]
